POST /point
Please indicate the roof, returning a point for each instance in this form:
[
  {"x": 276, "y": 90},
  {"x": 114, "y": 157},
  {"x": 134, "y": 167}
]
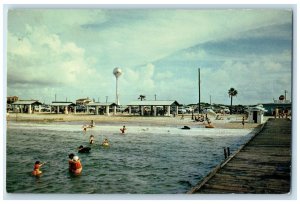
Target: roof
[
  {"x": 84, "y": 99},
  {"x": 101, "y": 104},
  {"x": 61, "y": 103},
  {"x": 27, "y": 102},
  {"x": 153, "y": 103},
  {"x": 257, "y": 108}
]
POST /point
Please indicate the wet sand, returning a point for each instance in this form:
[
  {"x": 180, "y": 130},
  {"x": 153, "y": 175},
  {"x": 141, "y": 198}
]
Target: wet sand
[{"x": 227, "y": 122}]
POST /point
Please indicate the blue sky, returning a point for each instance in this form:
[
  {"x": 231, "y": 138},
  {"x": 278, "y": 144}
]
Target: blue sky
[{"x": 72, "y": 53}]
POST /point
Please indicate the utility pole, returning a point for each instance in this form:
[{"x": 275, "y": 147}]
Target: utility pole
[
  {"x": 285, "y": 91},
  {"x": 106, "y": 98},
  {"x": 55, "y": 97},
  {"x": 210, "y": 99},
  {"x": 155, "y": 96},
  {"x": 199, "y": 106}
]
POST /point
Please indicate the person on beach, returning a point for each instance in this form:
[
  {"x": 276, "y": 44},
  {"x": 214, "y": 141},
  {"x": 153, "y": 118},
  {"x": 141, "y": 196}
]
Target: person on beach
[
  {"x": 36, "y": 169},
  {"x": 123, "y": 129},
  {"x": 182, "y": 116},
  {"x": 243, "y": 121},
  {"x": 75, "y": 166},
  {"x": 92, "y": 139}
]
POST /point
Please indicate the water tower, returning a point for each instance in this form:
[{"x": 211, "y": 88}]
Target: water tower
[{"x": 117, "y": 72}]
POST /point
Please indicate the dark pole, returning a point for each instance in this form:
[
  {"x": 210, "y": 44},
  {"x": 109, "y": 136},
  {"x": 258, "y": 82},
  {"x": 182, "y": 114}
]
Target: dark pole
[
  {"x": 285, "y": 94},
  {"x": 199, "y": 107}
]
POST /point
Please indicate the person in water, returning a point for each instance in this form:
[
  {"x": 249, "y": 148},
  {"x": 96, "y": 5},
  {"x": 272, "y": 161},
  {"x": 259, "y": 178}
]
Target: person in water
[
  {"x": 123, "y": 129},
  {"x": 92, "y": 139},
  {"x": 105, "y": 142},
  {"x": 36, "y": 169},
  {"x": 74, "y": 164},
  {"x": 82, "y": 149},
  {"x": 92, "y": 124}
]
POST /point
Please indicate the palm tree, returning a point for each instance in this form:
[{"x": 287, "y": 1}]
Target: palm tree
[
  {"x": 142, "y": 97},
  {"x": 232, "y": 92}
]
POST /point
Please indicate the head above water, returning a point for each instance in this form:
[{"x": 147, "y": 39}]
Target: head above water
[
  {"x": 80, "y": 146},
  {"x": 71, "y": 156},
  {"x": 37, "y": 162}
]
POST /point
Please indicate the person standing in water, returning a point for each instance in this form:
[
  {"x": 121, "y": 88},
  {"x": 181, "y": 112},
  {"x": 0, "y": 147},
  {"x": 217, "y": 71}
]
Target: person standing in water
[
  {"x": 75, "y": 166},
  {"x": 123, "y": 129},
  {"x": 36, "y": 169},
  {"x": 92, "y": 139}
]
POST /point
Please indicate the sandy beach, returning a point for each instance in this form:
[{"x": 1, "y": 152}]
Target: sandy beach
[{"x": 227, "y": 122}]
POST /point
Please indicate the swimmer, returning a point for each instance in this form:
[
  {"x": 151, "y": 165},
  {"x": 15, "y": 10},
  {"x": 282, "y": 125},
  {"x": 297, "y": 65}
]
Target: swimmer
[
  {"x": 105, "y": 142},
  {"x": 82, "y": 149},
  {"x": 92, "y": 139},
  {"x": 123, "y": 129},
  {"x": 36, "y": 169}
]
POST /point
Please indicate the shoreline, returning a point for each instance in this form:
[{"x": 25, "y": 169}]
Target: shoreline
[{"x": 229, "y": 121}]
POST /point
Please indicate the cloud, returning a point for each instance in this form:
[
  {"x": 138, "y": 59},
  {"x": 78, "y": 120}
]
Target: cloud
[
  {"x": 43, "y": 60},
  {"x": 73, "y": 52}
]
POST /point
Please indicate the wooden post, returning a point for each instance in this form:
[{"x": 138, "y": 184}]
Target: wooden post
[
  {"x": 228, "y": 151},
  {"x": 225, "y": 153}
]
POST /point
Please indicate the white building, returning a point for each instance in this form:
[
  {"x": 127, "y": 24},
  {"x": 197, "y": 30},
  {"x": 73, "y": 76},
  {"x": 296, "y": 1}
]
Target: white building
[{"x": 256, "y": 114}]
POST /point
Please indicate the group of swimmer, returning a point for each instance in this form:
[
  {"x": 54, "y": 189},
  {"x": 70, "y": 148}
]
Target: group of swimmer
[{"x": 75, "y": 166}]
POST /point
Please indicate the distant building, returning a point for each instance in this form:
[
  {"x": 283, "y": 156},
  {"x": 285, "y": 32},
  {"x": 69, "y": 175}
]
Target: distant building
[
  {"x": 83, "y": 101},
  {"x": 154, "y": 108},
  {"x": 12, "y": 99},
  {"x": 277, "y": 105},
  {"x": 25, "y": 106}
]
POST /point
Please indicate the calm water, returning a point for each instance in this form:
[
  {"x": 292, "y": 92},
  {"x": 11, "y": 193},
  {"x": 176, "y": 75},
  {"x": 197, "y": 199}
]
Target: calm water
[{"x": 146, "y": 160}]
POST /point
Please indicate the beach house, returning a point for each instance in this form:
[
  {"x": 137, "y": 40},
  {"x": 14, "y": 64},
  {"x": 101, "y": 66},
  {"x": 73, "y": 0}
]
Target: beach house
[{"x": 154, "y": 108}]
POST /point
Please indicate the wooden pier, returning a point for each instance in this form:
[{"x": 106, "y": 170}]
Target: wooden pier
[{"x": 262, "y": 166}]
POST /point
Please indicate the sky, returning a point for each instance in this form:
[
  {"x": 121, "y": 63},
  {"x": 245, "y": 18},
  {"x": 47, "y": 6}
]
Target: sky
[{"x": 71, "y": 53}]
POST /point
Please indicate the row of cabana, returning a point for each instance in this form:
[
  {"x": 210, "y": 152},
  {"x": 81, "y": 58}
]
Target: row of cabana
[{"x": 152, "y": 108}]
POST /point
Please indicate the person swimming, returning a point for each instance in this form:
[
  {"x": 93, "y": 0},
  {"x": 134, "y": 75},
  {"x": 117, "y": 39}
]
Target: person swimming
[
  {"x": 82, "y": 149},
  {"x": 123, "y": 129},
  {"x": 36, "y": 169},
  {"x": 92, "y": 139},
  {"x": 105, "y": 142}
]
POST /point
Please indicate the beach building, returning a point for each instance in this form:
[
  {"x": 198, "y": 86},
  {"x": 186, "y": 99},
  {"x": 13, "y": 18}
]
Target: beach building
[
  {"x": 101, "y": 108},
  {"x": 277, "y": 107},
  {"x": 256, "y": 114},
  {"x": 154, "y": 108},
  {"x": 25, "y": 106},
  {"x": 63, "y": 107}
]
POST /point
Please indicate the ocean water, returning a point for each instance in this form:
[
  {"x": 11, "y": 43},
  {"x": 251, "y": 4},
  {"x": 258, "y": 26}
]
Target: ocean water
[{"x": 145, "y": 160}]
